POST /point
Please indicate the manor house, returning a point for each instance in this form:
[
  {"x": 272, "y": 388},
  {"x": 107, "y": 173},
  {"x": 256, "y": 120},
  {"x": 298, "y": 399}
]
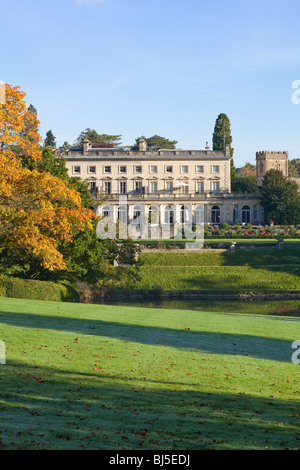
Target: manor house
[{"x": 176, "y": 184}]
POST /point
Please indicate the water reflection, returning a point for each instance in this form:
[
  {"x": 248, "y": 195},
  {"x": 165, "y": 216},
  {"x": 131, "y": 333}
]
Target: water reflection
[{"x": 265, "y": 307}]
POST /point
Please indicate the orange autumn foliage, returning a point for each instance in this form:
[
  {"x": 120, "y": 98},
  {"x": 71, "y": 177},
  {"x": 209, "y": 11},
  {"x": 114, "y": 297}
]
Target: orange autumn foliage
[{"x": 36, "y": 210}]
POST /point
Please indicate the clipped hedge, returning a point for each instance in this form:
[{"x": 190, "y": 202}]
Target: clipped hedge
[{"x": 37, "y": 290}]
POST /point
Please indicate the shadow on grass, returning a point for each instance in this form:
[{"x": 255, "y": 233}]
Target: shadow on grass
[
  {"x": 202, "y": 341},
  {"x": 53, "y": 408}
]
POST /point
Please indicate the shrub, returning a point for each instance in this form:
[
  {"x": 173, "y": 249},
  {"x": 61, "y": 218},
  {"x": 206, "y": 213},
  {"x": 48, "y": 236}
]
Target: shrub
[{"x": 37, "y": 290}]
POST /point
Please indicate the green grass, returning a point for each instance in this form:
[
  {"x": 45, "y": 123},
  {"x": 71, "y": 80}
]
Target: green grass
[
  {"x": 242, "y": 257},
  {"x": 220, "y": 279},
  {"x": 246, "y": 270},
  {"x": 104, "y": 377}
]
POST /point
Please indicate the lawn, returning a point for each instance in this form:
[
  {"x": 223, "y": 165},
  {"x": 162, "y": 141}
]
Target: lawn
[
  {"x": 220, "y": 278},
  {"x": 246, "y": 270},
  {"x": 289, "y": 256},
  {"x": 104, "y": 377}
]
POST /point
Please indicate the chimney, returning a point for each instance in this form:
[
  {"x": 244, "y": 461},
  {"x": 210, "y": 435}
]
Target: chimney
[
  {"x": 207, "y": 146},
  {"x": 142, "y": 145},
  {"x": 86, "y": 145}
]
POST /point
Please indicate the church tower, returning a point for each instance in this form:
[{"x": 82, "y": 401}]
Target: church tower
[{"x": 266, "y": 161}]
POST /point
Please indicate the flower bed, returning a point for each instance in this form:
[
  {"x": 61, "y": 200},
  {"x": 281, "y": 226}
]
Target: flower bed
[{"x": 251, "y": 232}]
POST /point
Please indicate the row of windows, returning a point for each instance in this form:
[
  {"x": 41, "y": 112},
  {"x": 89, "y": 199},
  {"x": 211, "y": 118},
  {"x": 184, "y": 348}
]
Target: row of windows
[
  {"x": 139, "y": 169},
  {"x": 185, "y": 214},
  {"x": 138, "y": 187}
]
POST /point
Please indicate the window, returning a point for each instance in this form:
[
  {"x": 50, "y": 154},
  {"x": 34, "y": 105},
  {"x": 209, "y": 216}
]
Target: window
[
  {"x": 154, "y": 215},
  {"x": 122, "y": 214},
  {"x": 106, "y": 211},
  {"x": 199, "y": 213},
  {"x": 200, "y": 187},
  {"x": 184, "y": 214},
  {"x": 215, "y": 215},
  {"x": 235, "y": 213},
  {"x": 138, "y": 169},
  {"x": 215, "y": 186},
  {"x": 138, "y": 187},
  {"x": 245, "y": 214},
  {"x": 137, "y": 215},
  {"x": 153, "y": 187},
  {"x": 122, "y": 169},
  {"x": 153, "y": 169},
  {"x": 123, "y": 187},
  {"x": 215, "y": 169},
  {"x": 107, "y": 187},
  {"x": 76, "y": 169},
  {"x": 92, "y": 169},
  {"x": 93, "y": 187},
  {"x": 184, "y": 169},
  {"x": 169, "y": 187},
  {"x": 169, "y": 215},
  {"x": 200, "y": 169},
  {"x": 169, "y": 169},
  {"x": 255, "y": 212},
  {"x": 107, "y": 169},
  {"x": 184, "y": 188}
]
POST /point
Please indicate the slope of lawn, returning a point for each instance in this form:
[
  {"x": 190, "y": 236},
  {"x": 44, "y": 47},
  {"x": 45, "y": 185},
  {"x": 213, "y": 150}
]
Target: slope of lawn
[
  {"x": 220, "y": 278},
  {"x": 103, "y": 377},
  {"x": 260, "y": 270},
  {"x": 289, "y": 256}
]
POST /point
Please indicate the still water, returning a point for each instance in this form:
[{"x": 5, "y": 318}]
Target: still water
[{"x": 265, "y": 307}]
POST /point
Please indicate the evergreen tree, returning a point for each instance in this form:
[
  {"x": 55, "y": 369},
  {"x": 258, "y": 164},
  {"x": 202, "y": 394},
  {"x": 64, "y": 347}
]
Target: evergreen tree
[
  {"x": 50, "y": 140},
  {"x": 156, "y": 142},
  {"x": 222, "y": 138},
  {"x": 244, "y": 184},
  {"x": 101, "y": 140},
  {"x": 280, "y": 199},
  {"x": 222, "y": 134}
]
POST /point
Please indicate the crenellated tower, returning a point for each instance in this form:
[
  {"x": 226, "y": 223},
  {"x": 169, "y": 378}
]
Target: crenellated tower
[{"x": 266, "y": 161}]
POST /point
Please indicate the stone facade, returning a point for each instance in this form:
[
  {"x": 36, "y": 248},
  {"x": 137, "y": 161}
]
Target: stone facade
[
  {"x": 266, "y": 161},
  {"x": 173, "y": 183}
]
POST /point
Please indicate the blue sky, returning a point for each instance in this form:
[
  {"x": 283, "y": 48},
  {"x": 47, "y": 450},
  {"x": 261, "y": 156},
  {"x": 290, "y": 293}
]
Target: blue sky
[{"x": 166, "y": 67}]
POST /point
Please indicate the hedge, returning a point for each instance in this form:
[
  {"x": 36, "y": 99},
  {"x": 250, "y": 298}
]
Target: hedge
[{"x": 37, "y": 290}]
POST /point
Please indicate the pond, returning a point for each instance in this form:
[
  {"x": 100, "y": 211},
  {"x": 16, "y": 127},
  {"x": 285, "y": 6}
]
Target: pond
[{"x": 257, "y": 307}]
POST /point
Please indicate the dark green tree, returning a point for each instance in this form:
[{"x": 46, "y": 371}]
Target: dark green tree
[
  {"x": 156, "y": 142},
  {"x": 244, "y": 184},
  {"x": 280, "y": 199},
  {"x": 50, "y": 140},
  {"x": 101, "y": 140},
  {"x": 32, "y": 109},
  {"x": 222, "y": 133},
  {"x": 222, "y": 138}
]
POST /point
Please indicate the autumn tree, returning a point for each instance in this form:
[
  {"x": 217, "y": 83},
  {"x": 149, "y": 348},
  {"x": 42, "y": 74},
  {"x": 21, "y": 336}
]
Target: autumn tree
[{"x": 37, "y": 211}]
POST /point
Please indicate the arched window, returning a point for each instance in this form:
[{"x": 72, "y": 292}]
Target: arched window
[
  {"x": 106, "y": 211},
  {"x": 246, "y": 215},
  {"x": 184, "y": 214},
  {"x": 169, "y": 215},
  {"x": 215, "y": 215},
  {"x": 154, "y": 214},
  {"x": 122, "y": 214},
  {"x": 199, "y": 215},
  {"x": 137, "y": 212}
]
